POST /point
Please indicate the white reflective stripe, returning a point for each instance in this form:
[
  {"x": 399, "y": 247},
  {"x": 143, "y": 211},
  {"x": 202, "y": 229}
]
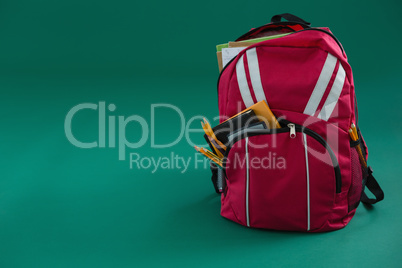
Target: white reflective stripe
[
  {"x": 321, "y": 85},
  {"x": 242, "y": 82},
  {"x": 247, "y": 184},
  {"x": 308, "y": 181},
  {"x": 255, "y": 77},
  {"x": 334, "y": 94}
]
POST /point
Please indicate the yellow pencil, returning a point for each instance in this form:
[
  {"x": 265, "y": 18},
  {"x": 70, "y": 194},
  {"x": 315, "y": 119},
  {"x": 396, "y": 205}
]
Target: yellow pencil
[
  {"x": 213, "y": 135},
  {"x": 206, "y": 130},
  {"x": 210, "y": 133},
  {"x": 353, "y": 127},
  {"x": 354, "y": 136},
  {"x": 210, "y": 155}
]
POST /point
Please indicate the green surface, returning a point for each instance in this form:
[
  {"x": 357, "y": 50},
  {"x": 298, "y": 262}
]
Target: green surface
[{"x": 62, "y": 206}]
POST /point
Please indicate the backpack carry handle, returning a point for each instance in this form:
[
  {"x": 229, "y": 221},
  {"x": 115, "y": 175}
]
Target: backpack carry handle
[
  {"x": 289, "y": 17},
  {"x": 293, "y": 24}
]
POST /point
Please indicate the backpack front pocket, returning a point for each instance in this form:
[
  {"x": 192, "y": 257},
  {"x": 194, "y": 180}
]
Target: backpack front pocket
[{"x": 284, "y": 179}]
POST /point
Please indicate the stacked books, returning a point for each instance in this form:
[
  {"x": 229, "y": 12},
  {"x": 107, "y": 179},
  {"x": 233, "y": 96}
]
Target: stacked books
[{"x": 226, "y": 52}]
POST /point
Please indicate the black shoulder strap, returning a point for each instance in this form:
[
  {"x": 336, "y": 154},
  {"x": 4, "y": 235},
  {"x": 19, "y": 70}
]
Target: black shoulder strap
[{"x": 374, "y": 187}]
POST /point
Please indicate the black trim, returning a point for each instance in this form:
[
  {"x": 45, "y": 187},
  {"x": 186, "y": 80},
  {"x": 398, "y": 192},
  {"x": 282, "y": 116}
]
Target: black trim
[
  {"x": 220, "y": 74},
  {"x": 355, "y": 143},
  {"x": 299, "y": 128},
  {"x": 362, "y": 143}
]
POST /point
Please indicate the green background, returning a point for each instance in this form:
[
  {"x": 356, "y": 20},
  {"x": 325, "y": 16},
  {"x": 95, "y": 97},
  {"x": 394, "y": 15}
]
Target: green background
[{"x": 62, "y": 206}]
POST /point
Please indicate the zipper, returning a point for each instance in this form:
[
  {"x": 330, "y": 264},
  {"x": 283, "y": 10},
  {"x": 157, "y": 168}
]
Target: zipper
[{"x": 292, "y": 129}]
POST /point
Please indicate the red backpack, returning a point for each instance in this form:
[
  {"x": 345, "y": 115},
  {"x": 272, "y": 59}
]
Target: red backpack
[{"x": 306, "y": 175}]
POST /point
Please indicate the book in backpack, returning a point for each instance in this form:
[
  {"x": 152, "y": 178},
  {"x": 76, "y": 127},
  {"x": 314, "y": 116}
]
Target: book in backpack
[{"x": 310, "y": 173}]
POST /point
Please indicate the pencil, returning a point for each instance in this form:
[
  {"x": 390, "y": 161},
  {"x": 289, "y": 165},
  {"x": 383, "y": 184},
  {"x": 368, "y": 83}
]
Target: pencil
[{"x": 354, "y": 136}]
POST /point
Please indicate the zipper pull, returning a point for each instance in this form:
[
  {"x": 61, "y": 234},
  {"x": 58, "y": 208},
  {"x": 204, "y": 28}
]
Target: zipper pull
[{"x": 292, "y": 130}]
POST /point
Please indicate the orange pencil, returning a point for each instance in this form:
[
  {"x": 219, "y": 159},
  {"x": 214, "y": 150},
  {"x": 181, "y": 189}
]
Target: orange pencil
[
  {"x": 209, "y": 155},
  {"x": 354, "y": 136},
  {"x": 210, "y": 133}
]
